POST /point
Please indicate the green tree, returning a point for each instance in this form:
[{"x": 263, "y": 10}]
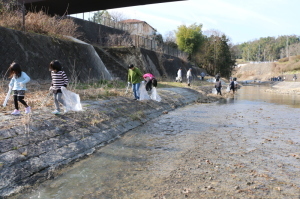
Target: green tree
[
  {"x": 215, "y": 56},
  {"x": 189, "y": 38},
  {"x": 268, "y": 48}
]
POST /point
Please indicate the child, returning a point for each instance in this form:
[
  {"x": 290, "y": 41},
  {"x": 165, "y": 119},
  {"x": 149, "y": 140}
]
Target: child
[
  {"x": 218, "y": 86},
  {"x": 150, "y": 81},
  {"x": 233, "y": 85},
  {"x": 151, "y": 84},
  {"x": 59, "y": 79},
  {"x": 18, "y": 84}
]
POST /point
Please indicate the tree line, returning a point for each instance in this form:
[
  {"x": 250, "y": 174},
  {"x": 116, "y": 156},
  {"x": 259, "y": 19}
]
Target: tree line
[{"x": 268, "y": 48}]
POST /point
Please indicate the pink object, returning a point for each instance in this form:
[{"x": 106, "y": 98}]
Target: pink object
[
  {"x": 16, "y": 112},
  {"x": 28, "y": 110},
  {"x": 148, "y": 76}
]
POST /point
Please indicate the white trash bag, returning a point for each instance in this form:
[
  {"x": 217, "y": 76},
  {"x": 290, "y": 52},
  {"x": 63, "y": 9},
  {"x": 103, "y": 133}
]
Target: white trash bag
[
  {"x": 154, "y": 95},
  {"x": 71, "y": 99},
  {"x": 228, "y": 89},
  {"x": 143, "y": 92},
  {"x": 214, "y": 91},
  {"x": 7, "y": 97}
]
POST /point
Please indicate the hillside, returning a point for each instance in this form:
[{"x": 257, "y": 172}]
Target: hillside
[{"x": 285, "y": 68}]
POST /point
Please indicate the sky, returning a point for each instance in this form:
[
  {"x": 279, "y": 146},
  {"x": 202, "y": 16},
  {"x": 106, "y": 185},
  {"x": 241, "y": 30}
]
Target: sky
[{"x": 239, "y": 20}]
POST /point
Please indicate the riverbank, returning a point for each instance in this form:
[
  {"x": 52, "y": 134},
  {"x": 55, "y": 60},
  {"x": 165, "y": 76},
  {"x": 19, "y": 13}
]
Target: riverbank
[
  {"x": 285, "y": 88},
  {"x": 236, "y": 148},
  {"x": 34, "y": 147}
]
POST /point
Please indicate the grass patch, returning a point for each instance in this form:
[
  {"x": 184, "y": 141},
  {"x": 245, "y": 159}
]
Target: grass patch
[
  {"x": 138, "y": 115},
  {"x": 170, "y": 84}
]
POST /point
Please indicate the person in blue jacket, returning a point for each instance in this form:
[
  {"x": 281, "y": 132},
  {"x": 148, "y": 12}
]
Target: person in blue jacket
[{"x": 18, "y": 86}]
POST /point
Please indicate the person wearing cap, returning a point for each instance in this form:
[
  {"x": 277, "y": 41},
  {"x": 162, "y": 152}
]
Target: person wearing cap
[
  {"x": 135, "y": 77},
  {"x": 189, "y": 76}
]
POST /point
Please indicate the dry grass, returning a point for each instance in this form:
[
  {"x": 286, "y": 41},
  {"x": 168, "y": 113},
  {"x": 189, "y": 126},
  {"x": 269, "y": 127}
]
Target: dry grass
[
  {"x": 38, "y": 96},
  {"x": 37, "y": 22}
]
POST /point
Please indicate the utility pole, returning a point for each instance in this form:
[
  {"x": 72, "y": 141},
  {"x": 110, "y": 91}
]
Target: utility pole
[
  {"x": 258, "y": 55},
  {"x": 215, "y": 55},
  {"x": 287, "y": 47},
  {"x": 248, "y": 54}
]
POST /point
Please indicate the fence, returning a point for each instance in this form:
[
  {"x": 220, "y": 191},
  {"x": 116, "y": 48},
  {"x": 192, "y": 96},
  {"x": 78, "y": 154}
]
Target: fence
[{"x": 136, "y": 40}]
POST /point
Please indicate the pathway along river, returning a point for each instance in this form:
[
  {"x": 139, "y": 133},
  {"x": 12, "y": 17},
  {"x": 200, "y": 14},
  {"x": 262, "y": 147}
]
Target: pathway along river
[{"x": 244, "y": 147}]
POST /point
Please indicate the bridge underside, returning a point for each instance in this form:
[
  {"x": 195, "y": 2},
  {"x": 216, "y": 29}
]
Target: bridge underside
[{"x": 67, "y": 7}]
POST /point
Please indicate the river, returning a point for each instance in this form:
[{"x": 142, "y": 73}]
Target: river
[{"x": 241, "y": 147}]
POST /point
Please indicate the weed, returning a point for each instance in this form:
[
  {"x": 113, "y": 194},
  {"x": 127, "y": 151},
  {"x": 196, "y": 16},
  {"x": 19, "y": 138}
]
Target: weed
[{"x": 138, "y": 115}]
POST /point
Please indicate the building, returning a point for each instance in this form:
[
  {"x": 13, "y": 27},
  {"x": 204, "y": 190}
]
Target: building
[{"x": 141, "y": 28}]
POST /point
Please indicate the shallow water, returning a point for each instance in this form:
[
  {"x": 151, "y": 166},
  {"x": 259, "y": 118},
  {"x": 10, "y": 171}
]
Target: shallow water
[
  {"x": 257, "y": 93},
  {"x": 250, "y": 141}
]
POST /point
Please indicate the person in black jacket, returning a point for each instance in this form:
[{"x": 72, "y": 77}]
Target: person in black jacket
[{"x": 218, "y": 86}]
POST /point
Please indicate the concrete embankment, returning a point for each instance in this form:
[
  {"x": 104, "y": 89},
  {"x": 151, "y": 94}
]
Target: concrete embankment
[{"x": 34, "y": 147}]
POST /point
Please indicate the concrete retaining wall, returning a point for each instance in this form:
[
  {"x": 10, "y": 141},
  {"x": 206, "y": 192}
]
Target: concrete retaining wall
[
  {"x": 81, "y": 61},
  {"x": 34, "y": 52}
]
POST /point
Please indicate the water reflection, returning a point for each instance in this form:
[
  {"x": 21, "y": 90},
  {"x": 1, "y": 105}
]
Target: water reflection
[{"x": 258, "y": 94}]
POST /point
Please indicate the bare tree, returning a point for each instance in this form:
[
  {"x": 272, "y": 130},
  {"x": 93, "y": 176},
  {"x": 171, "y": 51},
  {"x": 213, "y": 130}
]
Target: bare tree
[
  {"x": 213, "y": 32},
  {"x": 118, "y": 16},
  {"x": 170, "y": 37}
]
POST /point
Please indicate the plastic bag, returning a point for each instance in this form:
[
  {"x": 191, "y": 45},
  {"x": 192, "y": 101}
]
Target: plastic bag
[
  {"x": 228, "y": 89},
  {"x": 143, "y": 93},
  {"x": 154, "y": 95},
  {"x": 72, "y": 100},
  {"x": 7, "y": 97},
  {"x": 214, "y": 91}
]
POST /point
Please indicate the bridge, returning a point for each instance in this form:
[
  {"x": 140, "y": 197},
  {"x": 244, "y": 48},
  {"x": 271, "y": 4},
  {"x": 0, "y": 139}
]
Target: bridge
[{"x": 67, "y": 7}]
